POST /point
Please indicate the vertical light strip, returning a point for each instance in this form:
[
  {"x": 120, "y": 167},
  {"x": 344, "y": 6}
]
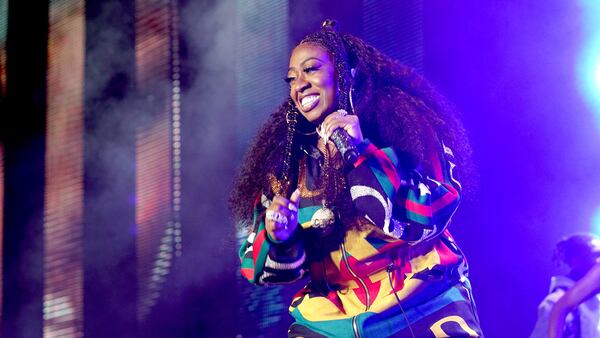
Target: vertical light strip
[
  {"x": 63, "y": 202},
  {"x": 1, "y": 223},
  {"x": 3, "y": 31},
  {"x": 158, "y": 147},
  {"x": 176, "y": 126}
]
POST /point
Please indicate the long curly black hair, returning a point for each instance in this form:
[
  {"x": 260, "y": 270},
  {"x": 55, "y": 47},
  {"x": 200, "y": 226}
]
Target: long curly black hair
[{"x": 396, "y": 107}]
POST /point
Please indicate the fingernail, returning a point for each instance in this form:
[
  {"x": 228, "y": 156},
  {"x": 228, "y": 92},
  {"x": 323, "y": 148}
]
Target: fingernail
[
  {"x": 295, "y": 194},
  {"x": 292, "y": 207}
]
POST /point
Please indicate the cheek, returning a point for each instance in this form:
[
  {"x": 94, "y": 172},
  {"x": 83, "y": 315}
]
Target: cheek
[
  {"x": 332, "y": 86},
  {"x": 293, "y": 95},
  {"x": 328, "y": 85},
  {"x": 331, "y": 91}
]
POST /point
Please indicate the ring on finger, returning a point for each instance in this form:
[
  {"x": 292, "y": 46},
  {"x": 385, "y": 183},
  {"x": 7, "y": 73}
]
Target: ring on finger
[
  {"x": 277, "y": 217},
  {"x": 292, "y": 207}
]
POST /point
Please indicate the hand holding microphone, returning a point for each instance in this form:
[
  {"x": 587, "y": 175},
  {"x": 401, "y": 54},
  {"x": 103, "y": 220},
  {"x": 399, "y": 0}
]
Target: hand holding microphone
[{"x": 344, "y": 131}]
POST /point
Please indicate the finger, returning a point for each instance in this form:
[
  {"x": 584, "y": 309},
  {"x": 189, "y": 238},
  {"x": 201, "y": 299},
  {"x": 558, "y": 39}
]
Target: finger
[
  {"x": 328, "y": 119},
  {"x": 349, "y": 124},
  {"x": 334, "y": 121},
  {"x": 353, "y": 119},
  {"x": 341, "y": 112},
  {"x": 285, "y": 210},
  {"x": 353, "y": 128},
  {"x": 295, "y": 198},
  {"x": 279, "y": 209},
  {"x": 326, "y": 127},
  {"x": 286, "y": 207},
  {"x": 277, "y": 220},
  {"x": 335, "y": 125},
  {"x": 280, "y": 200},
  {"x": 321, "y": 131},
  {"x": 280, "y": 228},
  {"x": 294, "y": 202}
]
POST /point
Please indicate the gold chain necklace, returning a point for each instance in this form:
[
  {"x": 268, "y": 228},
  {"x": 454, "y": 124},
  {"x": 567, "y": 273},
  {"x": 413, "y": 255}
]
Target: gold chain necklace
[{"x": 324, "y": 216}]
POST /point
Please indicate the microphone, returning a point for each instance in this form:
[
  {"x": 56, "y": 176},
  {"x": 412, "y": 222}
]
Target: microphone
[{"x": 345, "y": 146}]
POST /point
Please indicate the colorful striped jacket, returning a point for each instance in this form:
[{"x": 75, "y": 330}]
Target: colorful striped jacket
[{"x": 400, "y": 272}]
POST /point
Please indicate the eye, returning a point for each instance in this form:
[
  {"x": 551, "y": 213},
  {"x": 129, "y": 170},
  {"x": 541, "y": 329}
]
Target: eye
[
  {"x": 289, "y": 79},
  {"x": 311, "y": 69}
]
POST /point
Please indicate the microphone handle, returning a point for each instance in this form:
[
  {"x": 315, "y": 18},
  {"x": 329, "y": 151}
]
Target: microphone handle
[{"x": 345, "y": 145}]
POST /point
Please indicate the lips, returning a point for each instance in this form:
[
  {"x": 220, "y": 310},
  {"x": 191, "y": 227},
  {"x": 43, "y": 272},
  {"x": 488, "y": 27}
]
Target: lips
[{"x": 308, "y": 102}]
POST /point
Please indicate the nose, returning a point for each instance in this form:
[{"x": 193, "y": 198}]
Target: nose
[{"x": 301, "y": 84}]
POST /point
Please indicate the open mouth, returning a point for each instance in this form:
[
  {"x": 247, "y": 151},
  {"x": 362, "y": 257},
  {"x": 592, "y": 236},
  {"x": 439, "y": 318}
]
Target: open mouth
[{"x": 309, "y": 102}]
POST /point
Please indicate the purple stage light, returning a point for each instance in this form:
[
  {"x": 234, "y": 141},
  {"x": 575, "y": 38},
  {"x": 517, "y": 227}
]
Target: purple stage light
[
  {"x": 589, "y": 70},
  {"x": 589, "y": 64},
  {"x": 596, "y": 222}
]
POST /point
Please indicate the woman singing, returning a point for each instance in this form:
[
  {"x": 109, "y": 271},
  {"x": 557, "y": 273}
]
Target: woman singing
[{"x": 352, "y": 184}]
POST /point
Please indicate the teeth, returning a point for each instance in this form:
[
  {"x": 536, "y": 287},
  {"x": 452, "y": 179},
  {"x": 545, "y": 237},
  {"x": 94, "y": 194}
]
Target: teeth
[{"x": 308, "y": 100}]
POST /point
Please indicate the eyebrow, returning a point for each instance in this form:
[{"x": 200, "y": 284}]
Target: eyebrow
[{"x": 305, "y": 61}]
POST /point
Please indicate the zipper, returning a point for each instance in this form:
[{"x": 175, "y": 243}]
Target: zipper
[{"x": 368, "y": 297}]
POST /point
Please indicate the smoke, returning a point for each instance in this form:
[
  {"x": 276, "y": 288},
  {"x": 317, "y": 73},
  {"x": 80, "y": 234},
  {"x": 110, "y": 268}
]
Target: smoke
[
  {"x": 236, "y": 57},
  {"x": 113, "y": 112},
  {"x": 208, "y": 31}
]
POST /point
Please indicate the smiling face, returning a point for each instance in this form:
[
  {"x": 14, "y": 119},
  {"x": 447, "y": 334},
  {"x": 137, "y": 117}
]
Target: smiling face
[{"x": 311, "y": 76}]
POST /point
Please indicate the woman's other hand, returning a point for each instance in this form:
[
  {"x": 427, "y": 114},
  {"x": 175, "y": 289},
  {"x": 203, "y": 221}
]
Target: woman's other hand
[{"x": 281, "y": 218}]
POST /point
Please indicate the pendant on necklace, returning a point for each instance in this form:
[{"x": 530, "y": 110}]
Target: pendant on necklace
[{"x": 322, "y": 218}]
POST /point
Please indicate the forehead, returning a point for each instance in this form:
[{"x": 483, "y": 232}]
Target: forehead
[{"x": 306, "y": 51}]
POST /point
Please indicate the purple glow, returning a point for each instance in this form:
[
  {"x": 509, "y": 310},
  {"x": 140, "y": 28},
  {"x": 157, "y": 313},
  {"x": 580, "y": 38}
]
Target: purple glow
[
  {"x": 596, "y": 222},
  {"x": 589, "y": 64}
]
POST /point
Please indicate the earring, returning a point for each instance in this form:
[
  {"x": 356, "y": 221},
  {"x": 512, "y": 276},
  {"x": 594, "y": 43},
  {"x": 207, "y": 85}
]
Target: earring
[
  {"x": 353, "y": 74},
  {"x": 350, "y": 97},
  {"x": 291, "y": 121}
]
